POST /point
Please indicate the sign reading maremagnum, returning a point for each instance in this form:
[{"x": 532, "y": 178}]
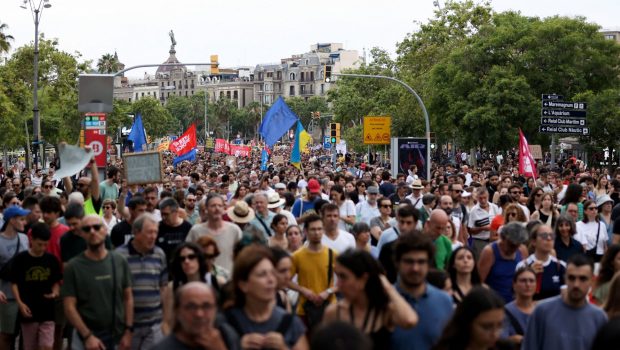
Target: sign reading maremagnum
[
  {"x": 377, "y": 130},
  {"x": 562, "y": 117}
]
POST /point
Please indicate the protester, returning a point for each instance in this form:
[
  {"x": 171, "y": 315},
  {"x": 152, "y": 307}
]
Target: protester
[
  {"x": 282, "y": 262},
  {"x": 546, "y": 213},
  {"x": 519, "y": 310},
  {"x": 477, "y": 322},
  {"x": 567, "y": 314},
  {"x": 463, "y": 273},
  {"x": 216, "y": 275},
  {"x": 591, "y": 232},
  {"x": 255, "y": 315},
  {"x": 610, "y": 265},
  {"x": 369, "y": 302},
  {"x": 565, "y": 244}
]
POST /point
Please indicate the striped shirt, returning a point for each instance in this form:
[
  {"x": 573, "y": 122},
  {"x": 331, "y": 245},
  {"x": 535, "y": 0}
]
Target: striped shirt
[{"x": 149, "y": 273}]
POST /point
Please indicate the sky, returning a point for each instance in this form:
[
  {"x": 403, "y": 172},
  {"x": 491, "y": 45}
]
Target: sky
[{"x": 245, "y": 32}]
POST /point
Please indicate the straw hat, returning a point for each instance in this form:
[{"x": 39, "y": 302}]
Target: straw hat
[
  {"x": 275, "y": 201},
  {"x": 241, "y": 213}
]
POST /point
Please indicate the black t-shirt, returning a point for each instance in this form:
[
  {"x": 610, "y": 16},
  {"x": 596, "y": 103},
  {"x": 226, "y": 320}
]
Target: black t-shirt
[
  {"x": 35, "y": 277},
  {"x": 72, "y": 245},
  {"x": 121, "y": 233},
  {"x": 386, "y": 258},
  {"x": 616, "y": 228},
  {"x": 170, "y": 237}
]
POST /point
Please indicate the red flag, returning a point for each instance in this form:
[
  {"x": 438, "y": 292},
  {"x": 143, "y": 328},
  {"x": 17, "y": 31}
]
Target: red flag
[
  {"x": 527, "y": 166},
  {"x": 240, "y": 151},
  {"x": 185, "y": 143}
]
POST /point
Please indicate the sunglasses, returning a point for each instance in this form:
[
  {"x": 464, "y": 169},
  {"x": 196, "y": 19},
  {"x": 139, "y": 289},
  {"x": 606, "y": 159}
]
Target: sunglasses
[
  {"x": 107, "y": 207},
  {"x": 457, "y": 191},
  {"x": 182, "y": 258},
  {"x": 88, "y": 228},
  {"x": 48, "y": 186},
  {"x": 592, "y": 208},
  {"x": 386, "y": 206}
]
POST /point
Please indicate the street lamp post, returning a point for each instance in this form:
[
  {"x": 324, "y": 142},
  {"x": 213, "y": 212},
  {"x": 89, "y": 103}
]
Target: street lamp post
[{"x": 37, "y": 11}]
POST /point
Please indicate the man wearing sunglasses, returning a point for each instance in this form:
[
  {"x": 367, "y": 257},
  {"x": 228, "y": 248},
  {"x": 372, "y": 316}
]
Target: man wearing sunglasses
[{"x": 97, "y": 293}]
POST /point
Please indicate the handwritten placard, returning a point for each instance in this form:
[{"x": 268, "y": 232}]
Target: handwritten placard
[{"x": 143, "y": 168}]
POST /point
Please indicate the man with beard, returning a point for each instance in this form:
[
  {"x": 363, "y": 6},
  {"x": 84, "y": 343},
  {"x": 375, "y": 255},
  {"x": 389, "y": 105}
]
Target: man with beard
[
  {"x": 414, "y": 254},
  {"x": 97, "y": 293},
  {"x": 89, "y": 188},
  {"x": 567, "y": 321}
]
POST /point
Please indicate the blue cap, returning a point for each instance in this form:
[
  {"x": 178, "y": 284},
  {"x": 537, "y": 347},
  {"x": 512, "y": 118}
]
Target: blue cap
[{"x": 14, "y": 211}]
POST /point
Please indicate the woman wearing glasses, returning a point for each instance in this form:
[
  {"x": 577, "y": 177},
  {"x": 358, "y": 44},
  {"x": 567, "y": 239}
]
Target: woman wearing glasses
[
  {"x": 187, "y": 264},
  {"x": 381, "y": 223},
  {"x": 546, "y": 213},
  {"x": 216, "y": 275},
  {"x": 592, "y": 232},
  {"x": 549, "y": 270}
]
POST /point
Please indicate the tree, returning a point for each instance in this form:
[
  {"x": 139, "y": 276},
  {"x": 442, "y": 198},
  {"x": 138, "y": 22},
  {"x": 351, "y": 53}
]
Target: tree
[
  {"x": 482, "y": 92},
  {"x": 108, "y": 63},
  {"x": 224, "y": 111},
  {"x": 156, "y": 119},
  {"x": 58, "y": 97},
  {"x": 5, "y": 39}
]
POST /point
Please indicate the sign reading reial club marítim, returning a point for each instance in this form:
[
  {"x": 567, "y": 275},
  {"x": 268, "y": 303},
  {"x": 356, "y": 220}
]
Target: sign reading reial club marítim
[{"x": 562, "y": 117}]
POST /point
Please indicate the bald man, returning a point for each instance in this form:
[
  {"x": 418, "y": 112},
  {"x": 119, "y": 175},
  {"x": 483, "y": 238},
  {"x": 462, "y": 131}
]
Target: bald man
[
  {"x": 195, "y": 309},
  {"x": 435, "y": 228}
]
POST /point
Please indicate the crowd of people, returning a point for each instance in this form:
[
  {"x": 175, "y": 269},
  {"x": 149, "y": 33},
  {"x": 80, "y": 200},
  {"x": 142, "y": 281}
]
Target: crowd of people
[{"x": 229, "y": 256}]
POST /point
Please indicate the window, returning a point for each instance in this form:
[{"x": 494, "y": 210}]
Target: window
[
  {"x": 130, "y": 99},
  {"x": 312, "y": 76},
  {"x": 168, "y": 83},
  {"x": 610, "y": 36},
  {"x": 228, "y": 95},
  {"x": 221, "y": 94},
  {"x": 291, "y": 91},
  {"x": 302, "y": 76},
  {"x": 279, "y": 75},
  {"x": 136, "y": 95},
  {"x": 162, "y": 84},
  {"x": 269, "y": 74},
  {"x": 236, "y": 95},
  {"x": 185, "y": 93},
  {"x": 174, "y": 83},
  {"x": 322, "y": 89},
  {"x": 292, "y": 76}
]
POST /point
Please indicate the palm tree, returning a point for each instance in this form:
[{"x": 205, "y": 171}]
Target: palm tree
[
  {"x": 5, "y": 39},
  {"x": 107, "y": 64}
]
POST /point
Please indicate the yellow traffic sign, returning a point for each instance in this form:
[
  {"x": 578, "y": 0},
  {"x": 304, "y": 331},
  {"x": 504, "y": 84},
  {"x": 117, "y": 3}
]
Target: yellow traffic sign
[{"x": 377, "y": 130}]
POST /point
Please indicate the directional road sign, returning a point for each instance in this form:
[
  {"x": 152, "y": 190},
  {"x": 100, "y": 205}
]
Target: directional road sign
[
  {"x": 561, "y": 121},
  {"x": 562, "y": 113},
  {"x": 555, "y": 129},
  {"x": 564, "y": 104},
  {"x": 551, "y": 97}
]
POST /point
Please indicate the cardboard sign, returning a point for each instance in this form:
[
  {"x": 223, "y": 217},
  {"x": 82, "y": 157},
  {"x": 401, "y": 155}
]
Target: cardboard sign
[
  {"x": 536, "y": 151},
  {"x": 143, "y": 168}
]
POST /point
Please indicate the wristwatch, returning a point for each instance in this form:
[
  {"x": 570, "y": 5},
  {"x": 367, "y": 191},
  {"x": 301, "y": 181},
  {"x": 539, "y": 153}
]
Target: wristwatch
[{"x": 329, "y": 291}]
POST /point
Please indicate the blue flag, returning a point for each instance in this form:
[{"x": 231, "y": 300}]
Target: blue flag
[
  {"x": 191, "y": 156},
  {"x": 264, "y": 157},
  {"x": 277, "y": 121},
  {"x": 137, "y": 134}
]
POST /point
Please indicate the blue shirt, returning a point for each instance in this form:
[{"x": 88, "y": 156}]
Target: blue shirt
[
  {"x": 300, "y": 206},
  {"x": 556, "y": 325},
  {"x": 435, "y": 309}
]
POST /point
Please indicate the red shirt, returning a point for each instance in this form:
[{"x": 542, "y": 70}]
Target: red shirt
[{"x": 54, "y": 244}]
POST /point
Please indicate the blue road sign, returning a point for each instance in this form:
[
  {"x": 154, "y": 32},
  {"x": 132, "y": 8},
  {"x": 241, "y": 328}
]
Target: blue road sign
[
  {"x": 556, "y": 129},
  {"x": 561, "y": 121},
  {"x": 564, "y": 105},
  {"x": 327, "y": 145},
  {"x": 551, "y": 97}
]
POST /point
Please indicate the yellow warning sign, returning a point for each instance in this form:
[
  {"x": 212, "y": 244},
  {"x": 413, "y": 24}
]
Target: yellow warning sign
[{"x": 377, "y": 130}]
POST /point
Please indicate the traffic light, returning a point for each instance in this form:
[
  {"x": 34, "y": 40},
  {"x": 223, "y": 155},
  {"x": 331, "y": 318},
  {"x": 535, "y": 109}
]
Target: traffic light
[
  {"x": 334, "y": 133},
  {"x": 328, "y": 73}
]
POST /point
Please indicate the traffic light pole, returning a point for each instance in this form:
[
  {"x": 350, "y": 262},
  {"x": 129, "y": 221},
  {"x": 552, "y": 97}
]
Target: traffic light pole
[{"x": 417, "y": 97}]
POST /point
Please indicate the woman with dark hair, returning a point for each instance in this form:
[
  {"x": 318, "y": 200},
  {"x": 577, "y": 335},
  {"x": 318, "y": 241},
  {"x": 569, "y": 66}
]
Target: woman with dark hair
[
  {"x": 565, "y": 244},
  {"x": 370, "y": 302},
  {"x": 240, "y": 193},
  {"x": 574, "y": 194},
  {"x": 477, "y": 322},
  {"x": 216, "y": 275},
  {"x": 591, "y": 232},
  {"x": 346, "y": 207},
  {"x": 519, "y": 310},
  {"x": 279, "y": 223},
  {"x": 187, "y": 264},
  {"x": 463, "y": 273},
  {"x": 282, "y": 262},
  {"x": 610, "y": 264},
  {"x": 529, "y": 186},
  {"x": 360, "y": 187},
  {"x": 256, "y": 317},
  {"x": 534, "y": 200}
]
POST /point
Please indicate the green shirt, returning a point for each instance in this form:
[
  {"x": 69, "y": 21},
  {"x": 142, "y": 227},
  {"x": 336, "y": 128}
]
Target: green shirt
[
  {"x": 90, "y": 282},
  {"x": 443, "y": 249}
]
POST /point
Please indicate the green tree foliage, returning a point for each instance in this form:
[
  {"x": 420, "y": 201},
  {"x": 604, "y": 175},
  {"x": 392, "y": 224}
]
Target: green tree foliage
[
  {"x": 5, "y": 39},
  {"x": 58, "y": 75},
  {"x": 603, "y": 117},
  {"x": 156, "y": 119},
  {"x": 484, "y": 90},
  {"x": 108, "y": 63}
]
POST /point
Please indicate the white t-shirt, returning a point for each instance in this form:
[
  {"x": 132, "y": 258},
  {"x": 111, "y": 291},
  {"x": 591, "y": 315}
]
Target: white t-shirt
[
  {"x": 346, "y": 209},
  {"x": 586, "y": 235},
  {"x": 415, "y": 201},
  {"x": 365, "y": 212},
  {"x": 344, "y": 241},
  {"x": 479, "y": 217}
]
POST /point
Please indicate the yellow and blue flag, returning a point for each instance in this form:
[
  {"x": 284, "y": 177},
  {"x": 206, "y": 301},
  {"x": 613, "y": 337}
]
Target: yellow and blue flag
[{"x": 302, "y": 138}]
